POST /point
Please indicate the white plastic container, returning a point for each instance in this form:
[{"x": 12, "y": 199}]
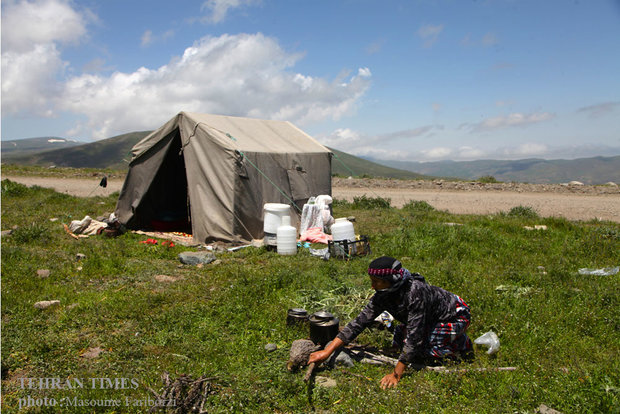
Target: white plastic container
[
  {"x": 272, "y": 220},
  {"x": 286, "y": 237},
  {"x": 343, "y": 229}
]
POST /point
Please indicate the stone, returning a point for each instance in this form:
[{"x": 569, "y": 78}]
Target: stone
[
  {"x": 92, "y": 353},
  {"x": 194, "y": 258},
  {"x": 166, "y": 279},
  {"x": 271, "y": 347},
  {"x": 325, "y": 382},
  {"x": 575, "y": 183},
  {"x": 44, "y": 304},
  {"x": 6, "y": 233},
  {"x": 43, "y": 273},
  {"x": 543, "y": 409},
  {"x": 344, "y": 359}
]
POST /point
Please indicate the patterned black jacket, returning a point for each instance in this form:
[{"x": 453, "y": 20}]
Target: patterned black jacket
[{"x": 417, "y": 304}]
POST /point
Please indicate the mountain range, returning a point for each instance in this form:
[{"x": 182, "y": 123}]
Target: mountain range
[{"x": 115, "y": 153}]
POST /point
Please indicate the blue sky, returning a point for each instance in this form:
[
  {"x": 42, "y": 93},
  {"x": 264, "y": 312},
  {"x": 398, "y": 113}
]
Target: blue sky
[{"x": 397, "y": 80}]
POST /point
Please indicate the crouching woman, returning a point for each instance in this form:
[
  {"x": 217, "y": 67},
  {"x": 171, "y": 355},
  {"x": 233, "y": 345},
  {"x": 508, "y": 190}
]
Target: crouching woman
[{"x": 433, "y": 320}]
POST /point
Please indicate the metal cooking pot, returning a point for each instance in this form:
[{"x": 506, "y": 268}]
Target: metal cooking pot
[
  {"x": 296, "y": 316},
  {"x": 323, "y": 327}
]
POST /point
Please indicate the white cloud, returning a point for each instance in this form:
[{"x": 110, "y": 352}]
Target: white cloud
[
  {"x": 246, "y": 75},
  {"x": 405, "y": 134},
  {"x": 437, "y": 153},
  {"x": 598, "y": 110},
  {"x": 28, "y": 80},
  {"x": 430, "y": 34},
  {"x": 490, "y": 39},
  {"x": 147, "y": 38},
  {"x": 32, "y": 32},
  {"x": 527, "y": 149},
  {"x": 218, "y": 9},
  {"x": 375, "y": 47},
  {"x": 340, "y": 138},
  {"x": 470, "y": 153},
  {"x": 511, "y": 120},
  {"x": 380, "y": 153},
  {"x": 28, "y": 23}
]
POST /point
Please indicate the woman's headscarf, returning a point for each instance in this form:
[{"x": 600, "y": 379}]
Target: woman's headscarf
[{"x": 391, "y": 270}]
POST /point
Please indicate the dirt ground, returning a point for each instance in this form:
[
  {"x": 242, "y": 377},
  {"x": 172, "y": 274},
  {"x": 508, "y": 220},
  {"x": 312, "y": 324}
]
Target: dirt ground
[{"x": 571, "y": 201}]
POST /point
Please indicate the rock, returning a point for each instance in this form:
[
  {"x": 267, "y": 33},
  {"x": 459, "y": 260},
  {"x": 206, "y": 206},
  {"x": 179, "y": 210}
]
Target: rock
[
  {"x": 80, "y": 256},
  {"x": 543, "y": 409},
  {"x": 46, "y": 304},
  {"x": 536, "y": 227},
  {"x": 271, "y": 347},
  {"x": 6, "y": 233},
  {"x": 575, "y": 183},
  {"x": 300, "y": 352},
  {"x": 92, "y": 353},
  {"x": 325, "y": 382},
  {"x": 611, "y": 184},
  {"x": 43, "y": 273},
  {"x": 344, "y": 359},
  {"x": 166, "y": 279},
  {"x": 194, "y": 258}
]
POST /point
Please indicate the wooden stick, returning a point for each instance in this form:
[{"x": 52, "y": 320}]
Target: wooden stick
[{"x": 309, "y": 372}]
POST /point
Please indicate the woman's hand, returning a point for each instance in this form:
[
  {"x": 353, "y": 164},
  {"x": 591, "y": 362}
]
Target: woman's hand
[
  {"x": 390, "y": 381},
  {"x": 318, "y": 356}
]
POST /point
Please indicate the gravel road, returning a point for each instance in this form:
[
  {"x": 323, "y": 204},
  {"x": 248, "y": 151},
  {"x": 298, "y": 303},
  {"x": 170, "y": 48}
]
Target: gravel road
[{"x": 574, "y": 202}]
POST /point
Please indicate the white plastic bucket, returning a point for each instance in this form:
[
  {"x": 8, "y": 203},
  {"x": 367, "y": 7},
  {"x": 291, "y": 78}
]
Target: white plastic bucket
[
  {"x": 273, "y": 216},
  {"x": 343, "y": 229},
  {"x": 286, "y": 237}
]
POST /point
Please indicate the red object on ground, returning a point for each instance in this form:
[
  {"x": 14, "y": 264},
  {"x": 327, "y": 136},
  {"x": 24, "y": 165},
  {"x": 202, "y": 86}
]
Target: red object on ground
[{"x": 149, "y": 241}]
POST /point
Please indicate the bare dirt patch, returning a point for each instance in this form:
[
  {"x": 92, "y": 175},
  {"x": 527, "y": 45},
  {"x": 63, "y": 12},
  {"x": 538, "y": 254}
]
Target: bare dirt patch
[{"x": 574, "y": 202}]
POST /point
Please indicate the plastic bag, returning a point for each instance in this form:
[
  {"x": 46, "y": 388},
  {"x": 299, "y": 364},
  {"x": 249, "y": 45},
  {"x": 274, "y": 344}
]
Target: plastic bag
[
  {"x": 490, "y": 340},
  {"x": 606, "y": 271},
  {"x": 311, "y": 217}
]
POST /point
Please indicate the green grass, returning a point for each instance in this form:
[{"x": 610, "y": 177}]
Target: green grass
[{"x": 562, "y": 334}]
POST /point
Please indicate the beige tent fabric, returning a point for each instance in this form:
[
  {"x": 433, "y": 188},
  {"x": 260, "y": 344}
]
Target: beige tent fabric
[{"x": 226, "y": 168}]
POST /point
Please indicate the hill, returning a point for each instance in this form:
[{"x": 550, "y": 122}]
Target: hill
[
  {"x": 111, "y": 153},
  {"x": 595, "y": 170},
  {"x": 114, "y": 153},
  {"x": 31, "y": 145},
  {"x": 349, "y": 165}
]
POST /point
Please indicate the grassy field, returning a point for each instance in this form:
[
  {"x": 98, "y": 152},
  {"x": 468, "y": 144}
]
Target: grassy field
[{"x": 558, "y": 328}]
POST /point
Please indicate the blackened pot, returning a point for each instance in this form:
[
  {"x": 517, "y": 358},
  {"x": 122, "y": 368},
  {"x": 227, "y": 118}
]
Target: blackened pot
[{"x": 323, "y": 327}]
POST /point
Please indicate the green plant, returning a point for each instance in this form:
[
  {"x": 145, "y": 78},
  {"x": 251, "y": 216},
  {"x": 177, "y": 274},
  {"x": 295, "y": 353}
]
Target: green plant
[
  {"x": 369, "y": 203},
  {"x": 525, "y": 212},
  {"x": 488, "y": 179},
  {"x": 418, "y": 206}
]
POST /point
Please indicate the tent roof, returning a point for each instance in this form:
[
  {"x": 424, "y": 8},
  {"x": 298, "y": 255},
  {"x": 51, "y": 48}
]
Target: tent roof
[{"x": 243, "y": 134}]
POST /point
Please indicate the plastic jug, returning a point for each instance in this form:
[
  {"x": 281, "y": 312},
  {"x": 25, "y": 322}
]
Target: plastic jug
[
  {"x": 286, "y": 237},
  {"x": 343, "y": 229},
  {"x": 272, "y": 220}
]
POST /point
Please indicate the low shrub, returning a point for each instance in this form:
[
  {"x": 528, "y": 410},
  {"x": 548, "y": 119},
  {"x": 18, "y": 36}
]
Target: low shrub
[
  {"x": 370, "y": 203},
  {"x": 524, "y": 212},
  {"x": 418, "y": 206}
]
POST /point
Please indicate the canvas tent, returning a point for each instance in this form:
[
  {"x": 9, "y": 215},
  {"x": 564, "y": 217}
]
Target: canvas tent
[{"x": 212, "y": 175}]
